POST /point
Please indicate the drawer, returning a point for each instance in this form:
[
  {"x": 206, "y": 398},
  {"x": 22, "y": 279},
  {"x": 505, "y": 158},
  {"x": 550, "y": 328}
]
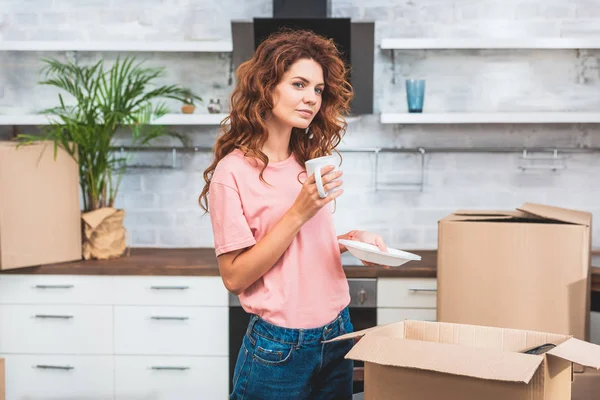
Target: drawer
[
  {"x": 407, "y": 292},
  {"x": 389, "y": 315},
  {"x": 171, "y": 378},
  {"x": 56, "y": 289},
  {"x": 56, "y": 329},
  {"x": 170, "y": 291},
  {"x": 199, "y": 331},
  {"x": 51, "y": 377}
]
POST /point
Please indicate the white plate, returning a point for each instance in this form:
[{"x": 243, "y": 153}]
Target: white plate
[{"x": 371, "y": 253}]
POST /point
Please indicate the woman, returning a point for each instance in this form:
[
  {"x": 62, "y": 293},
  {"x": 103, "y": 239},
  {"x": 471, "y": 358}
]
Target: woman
[{"x": 274, "y": 238}]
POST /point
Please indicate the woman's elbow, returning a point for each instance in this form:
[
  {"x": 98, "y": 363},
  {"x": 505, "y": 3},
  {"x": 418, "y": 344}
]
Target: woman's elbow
[{"x": 232, "y": 285}]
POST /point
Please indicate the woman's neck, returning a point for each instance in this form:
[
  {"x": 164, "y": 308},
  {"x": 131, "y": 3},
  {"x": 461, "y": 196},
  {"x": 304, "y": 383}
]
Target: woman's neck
[{"x": 277, "y": 146}]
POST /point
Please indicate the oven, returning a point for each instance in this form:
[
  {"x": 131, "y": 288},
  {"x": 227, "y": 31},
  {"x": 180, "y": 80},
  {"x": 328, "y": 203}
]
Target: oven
[{"x": 363, "y": 313}]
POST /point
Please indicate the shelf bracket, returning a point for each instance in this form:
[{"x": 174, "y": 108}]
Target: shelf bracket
[
  {"x": 393, "y": 55},
  {"x": 73, "y": 56},
  {"x": 230, "y": 77}
]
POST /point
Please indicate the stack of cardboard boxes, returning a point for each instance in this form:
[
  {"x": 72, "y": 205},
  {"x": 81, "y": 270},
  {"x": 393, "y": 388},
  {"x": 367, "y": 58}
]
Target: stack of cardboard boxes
[{"x": 508, "y": 281}]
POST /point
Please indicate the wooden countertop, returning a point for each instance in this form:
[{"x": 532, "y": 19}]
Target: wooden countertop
[{"x": 202, "y": 262}]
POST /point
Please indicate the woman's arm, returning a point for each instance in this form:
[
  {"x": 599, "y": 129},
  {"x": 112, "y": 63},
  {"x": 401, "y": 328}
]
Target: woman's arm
[{"x": 241, "y": 268}]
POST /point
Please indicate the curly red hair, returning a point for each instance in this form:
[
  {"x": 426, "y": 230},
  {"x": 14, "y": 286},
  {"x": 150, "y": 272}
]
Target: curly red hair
[{"x": 251, "y": 99}]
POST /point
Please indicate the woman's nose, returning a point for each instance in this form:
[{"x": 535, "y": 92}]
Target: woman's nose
[{"x": 310, "y": 98}]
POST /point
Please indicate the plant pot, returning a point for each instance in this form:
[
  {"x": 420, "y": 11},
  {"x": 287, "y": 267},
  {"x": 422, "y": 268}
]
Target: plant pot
[
  {"x": 188, "y": 108},
  {"x": 104, "y": 235}
]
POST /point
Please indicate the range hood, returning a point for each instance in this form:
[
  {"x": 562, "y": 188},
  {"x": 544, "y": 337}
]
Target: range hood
[{"x": 355, "y": 40}]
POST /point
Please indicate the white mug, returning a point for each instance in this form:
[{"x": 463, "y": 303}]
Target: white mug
[{"x": 315, "y": 165}]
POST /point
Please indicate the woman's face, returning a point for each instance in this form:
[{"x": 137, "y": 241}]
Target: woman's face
[{"x": 297, "y": 97}]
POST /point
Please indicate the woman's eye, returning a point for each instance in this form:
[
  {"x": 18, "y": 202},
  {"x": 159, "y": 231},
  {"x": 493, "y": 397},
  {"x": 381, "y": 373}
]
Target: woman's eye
[
  {"x": 299, "y": 84},
  {"x": 319, "y": 90}
]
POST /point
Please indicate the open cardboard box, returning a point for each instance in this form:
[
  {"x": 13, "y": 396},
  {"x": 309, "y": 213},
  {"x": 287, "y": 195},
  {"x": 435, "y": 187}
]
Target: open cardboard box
[{"x": 435, "y": 360}]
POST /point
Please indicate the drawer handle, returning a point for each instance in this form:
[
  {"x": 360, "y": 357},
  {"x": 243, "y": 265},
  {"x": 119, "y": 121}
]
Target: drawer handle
[
  {"x": 54, "y": 316},
  {"x": 165, "y": 368},
  {"x": 169, "y": 287},
  {"x": 422, "y": 290},
  {"x": 61, "y": 367},
  {"x": 158, "y": 317},
  {"x": 54, "y": 286}
]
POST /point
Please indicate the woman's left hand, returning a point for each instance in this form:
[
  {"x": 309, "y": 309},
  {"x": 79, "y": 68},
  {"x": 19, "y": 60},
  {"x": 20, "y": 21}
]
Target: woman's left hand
[{"x": 370, "y": 238}]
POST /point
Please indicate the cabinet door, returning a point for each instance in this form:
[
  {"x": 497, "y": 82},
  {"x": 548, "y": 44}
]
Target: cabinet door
[
  {"x": 41, "y": 329},
  {"x": 171, "y": 378},
  {"x": 199, "y": 331},
  {"x": 52, "y": 377},
  {"x": 407, "y": 292}
]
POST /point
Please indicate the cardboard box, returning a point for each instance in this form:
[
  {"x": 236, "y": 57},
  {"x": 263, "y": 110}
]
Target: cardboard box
[
  {"x": 2, "y": 380},
  {"x": 586, "y": 386},
  {"x": 436, "y": 360},
  {"x": 524, "y": 269},
  {"x": 40, "y": 218}
]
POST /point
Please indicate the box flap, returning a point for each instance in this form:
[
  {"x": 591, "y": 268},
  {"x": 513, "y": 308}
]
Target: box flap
[
  {"x": 447, "y": 358},
  {"x": 493, "y": 213},
  {"x": 557, "y": 213},
  {"x": 579, "y": 352},
  {"x": 394, "y": 330},
  {"x": 488, "y": 215}
]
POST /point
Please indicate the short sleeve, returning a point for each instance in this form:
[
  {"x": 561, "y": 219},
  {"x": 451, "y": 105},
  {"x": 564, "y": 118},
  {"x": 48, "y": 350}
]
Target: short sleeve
[{"x": 230, "y": 228}]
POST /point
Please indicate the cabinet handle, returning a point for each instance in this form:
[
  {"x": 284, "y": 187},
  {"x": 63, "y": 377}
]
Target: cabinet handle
[
  {"x": 54, "y": 286},
  {"x": 158, "y": 317},
  {"x": 53, "y": 316},
  {"x": 422, "y": 290},
  {"x": 165, "y": 368},
  {"x": 61, "y": 367},
  {"x": 362, "y": 296},
  {"x": 169, "y": 287}
]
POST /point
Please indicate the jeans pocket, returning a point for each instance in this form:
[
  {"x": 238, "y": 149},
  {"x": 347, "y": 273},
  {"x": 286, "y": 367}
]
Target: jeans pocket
[
  {"x": 346, "y": 327},
  {"x": 272, "y": 352}
]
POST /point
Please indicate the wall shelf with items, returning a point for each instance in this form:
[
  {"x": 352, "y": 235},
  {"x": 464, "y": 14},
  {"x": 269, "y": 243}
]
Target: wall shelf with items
[
  {"x": 204, "y": 46},
  {"x": 492, "y": 118},
  {"x": 168, "y": 119},
  {"x": 488, "y": 43}
]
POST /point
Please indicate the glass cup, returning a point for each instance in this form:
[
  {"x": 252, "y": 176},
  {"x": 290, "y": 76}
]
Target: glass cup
[{"x": 415, "y": 95}]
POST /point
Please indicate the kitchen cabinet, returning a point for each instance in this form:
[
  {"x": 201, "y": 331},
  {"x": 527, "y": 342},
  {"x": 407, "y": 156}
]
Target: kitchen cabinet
[
  {"x": 114, "y": 337},
  {"x": 406, "y": 298}
]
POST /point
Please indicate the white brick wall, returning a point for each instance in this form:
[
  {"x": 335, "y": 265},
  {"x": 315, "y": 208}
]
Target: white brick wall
[{"x": 161, "y": 204}]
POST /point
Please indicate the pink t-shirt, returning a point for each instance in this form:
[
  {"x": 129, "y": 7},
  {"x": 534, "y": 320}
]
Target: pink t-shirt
[{"x": 307, "y": 287}]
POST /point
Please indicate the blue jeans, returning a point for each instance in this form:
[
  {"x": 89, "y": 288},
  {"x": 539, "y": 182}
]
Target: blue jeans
[{"x": 276, "y": 363}]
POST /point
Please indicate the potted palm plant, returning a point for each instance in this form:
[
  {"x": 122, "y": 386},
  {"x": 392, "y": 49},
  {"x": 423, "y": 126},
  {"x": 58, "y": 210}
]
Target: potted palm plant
[
  {"x": 188, "y": 106},
  {"x": 104, "y": 101}
]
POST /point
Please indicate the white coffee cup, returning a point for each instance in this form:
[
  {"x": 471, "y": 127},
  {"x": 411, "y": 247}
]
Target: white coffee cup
[{"x": 315, "y": 165}]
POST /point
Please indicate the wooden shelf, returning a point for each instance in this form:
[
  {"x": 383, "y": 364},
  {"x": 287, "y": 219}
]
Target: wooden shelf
[
  {"x": 169, "y": 119},
  {"x": 130, "y": 46},
  {"x": 490, "y": 43},
  {"x": 492, "y": 118}
]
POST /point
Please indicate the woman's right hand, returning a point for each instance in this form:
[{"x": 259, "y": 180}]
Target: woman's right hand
[{"x": 308, "y": 202}]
